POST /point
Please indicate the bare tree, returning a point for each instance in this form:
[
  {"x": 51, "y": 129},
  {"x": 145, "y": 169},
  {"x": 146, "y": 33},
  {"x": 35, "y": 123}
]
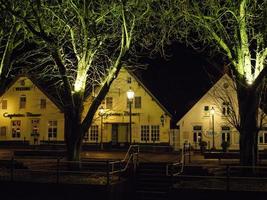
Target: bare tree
[
  {"x": 87, "y": 42},
  {"x": 11, "y": 39},
  {"x": 238, "y": 31}
]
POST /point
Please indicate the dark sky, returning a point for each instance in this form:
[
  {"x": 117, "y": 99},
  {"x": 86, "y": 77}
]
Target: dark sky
[{"x": 181, "y": 80}]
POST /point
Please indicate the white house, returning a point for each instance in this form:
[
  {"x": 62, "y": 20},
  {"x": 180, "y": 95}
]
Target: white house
[
  {"x": 210, "y": 119},
  {"x": 28, "y": 114},
  {"x": 150, "y": 120}
]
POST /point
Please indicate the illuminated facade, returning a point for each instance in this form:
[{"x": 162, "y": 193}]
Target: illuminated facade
[
  {"x": 150, "y": 120},
  {"x": 208, "y": 119},
  {"x": 28, "y": 115}
]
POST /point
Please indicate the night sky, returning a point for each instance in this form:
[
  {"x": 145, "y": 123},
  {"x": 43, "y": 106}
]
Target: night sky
[{"x": 181, "y": 80}]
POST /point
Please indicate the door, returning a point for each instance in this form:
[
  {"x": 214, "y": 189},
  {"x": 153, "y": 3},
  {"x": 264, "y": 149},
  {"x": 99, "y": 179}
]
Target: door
[{"x": 35, "y": 131}]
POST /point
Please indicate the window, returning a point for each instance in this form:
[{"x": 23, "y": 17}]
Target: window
[
  {"x": 206, "y": 108},
  {"x": 22, "y": 88},
  {"x": 137, "y": 102},
  {"x": 226, "y": 134},
  {"x": 43, "y": 103},
  {"x": 94, "y": 133},
  {"x": 144, "y": 133},
  {"x": 22, "y": 82},
  {"x": 109, "y": 102},
  {"x": 3, "y": 130},
  {"x": 129, "y": 80},
  {"x": 4, "y": 104},
  {"x": 86, "y": 136},
  {"x": 197, "y": 134},
  {"x": 52, "y": 129},
  {"x": 15, "y": 128},
  {"x": 225, "y": 108},
  {"x": 35, "y": 127},
  {"x": 22, "y": 101},
  {"x": 128, "y": 103},
  {"x": 263, "y": 138},
  {"x": 155, "y": 133}
]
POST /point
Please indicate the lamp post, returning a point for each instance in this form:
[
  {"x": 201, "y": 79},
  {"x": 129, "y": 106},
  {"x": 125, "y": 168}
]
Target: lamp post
[
  {"x": 212, "y": 112},
  {"x": 130, "y": 96},
  {"x": 101, "y": 114}
]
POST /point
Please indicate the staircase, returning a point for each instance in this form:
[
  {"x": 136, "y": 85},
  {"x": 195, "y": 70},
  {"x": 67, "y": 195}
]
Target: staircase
[{"x": 152, "y": 182}]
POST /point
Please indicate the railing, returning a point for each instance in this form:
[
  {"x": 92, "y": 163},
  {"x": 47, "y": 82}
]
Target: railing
[
  {"x": 131, "y": 155},
  {"x": 177, "y": 168},
  {"x": 228, "y": 178},
  {"x": 61, "y": 171}
]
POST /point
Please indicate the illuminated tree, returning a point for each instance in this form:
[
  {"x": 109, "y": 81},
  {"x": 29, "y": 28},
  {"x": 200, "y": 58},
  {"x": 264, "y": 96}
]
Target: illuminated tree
[
  {"x": 87, "y": 42},
  {"x": 238, "y": 30},
  {"x": 11, "y": 40}
]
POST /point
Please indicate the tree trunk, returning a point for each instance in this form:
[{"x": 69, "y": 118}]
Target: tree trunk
[
  {"x": 73, "y": 137},
  {"x": 248, "y": 99}
]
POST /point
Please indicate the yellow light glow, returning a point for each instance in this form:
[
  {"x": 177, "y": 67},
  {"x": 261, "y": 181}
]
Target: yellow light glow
[{"x": 130, "y": 94}]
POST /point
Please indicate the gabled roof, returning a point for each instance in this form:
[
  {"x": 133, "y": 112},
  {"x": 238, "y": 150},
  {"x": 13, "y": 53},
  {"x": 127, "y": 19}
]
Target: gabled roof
[
  {"x": 149, "y": 92},
  {"x": 202, "y": 96},
  {"x": 36, "y": 84}
]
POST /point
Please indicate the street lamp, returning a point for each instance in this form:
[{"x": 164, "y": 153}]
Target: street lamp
[
  {"x": 101, "y": 114},
  {"x": 130, "y": 96},
  {"x": 212, "y": 112}
]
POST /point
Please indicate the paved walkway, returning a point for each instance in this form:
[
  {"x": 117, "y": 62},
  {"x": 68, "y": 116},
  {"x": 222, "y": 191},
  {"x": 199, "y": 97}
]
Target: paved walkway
[{"x": 195, "y": 157}]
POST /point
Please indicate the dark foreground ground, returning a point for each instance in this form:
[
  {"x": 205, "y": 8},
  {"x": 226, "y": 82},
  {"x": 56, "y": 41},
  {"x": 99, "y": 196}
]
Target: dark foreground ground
[{"x": 123, "y": 190}]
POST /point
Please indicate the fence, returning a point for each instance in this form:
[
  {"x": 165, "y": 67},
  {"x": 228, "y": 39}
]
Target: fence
[
  {"x": 62, "y": 171},
  {"x": 228, "y": 178}
]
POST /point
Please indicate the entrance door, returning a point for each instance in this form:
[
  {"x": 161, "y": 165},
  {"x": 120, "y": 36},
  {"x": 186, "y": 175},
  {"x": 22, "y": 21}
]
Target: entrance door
[
  {"x": 35, "y": 128},
  {"x": 114, "y": 139}
]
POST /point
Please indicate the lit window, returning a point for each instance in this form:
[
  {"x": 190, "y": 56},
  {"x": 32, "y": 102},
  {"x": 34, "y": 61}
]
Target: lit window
[
  {"x": 145, "y": 133},
  {"x": 15, "y": 128},
  {"x": 94, "y": 133},
  {"x": 225, "y": 108},
  {"x": 137, "y": 102},
  {"x": 263, "y": 138},
  {"x": 35, "y": 127},
  {"x": 155, "y": 133},
  {"x": 22, "y": 101},
  {"x": 226, "y": 137},
  {"x": 109, "y": 102},
  {"x": 197, "y": 134},
  {"x": 43, "y": 103},
  {"x": 4, "y": 104},
  {"x": 52, "y": 129}
]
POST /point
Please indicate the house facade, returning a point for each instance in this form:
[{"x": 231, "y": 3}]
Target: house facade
[
  {"x": 28, "y": 115},
  {"x": 150, "y": 121},
  {"x": 211, "y": 119}
]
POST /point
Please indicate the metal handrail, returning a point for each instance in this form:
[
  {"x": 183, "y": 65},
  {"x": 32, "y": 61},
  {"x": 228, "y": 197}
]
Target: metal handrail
[
  {"x": 173, "y": 165},
  {"x": 130, "y": 155}
]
